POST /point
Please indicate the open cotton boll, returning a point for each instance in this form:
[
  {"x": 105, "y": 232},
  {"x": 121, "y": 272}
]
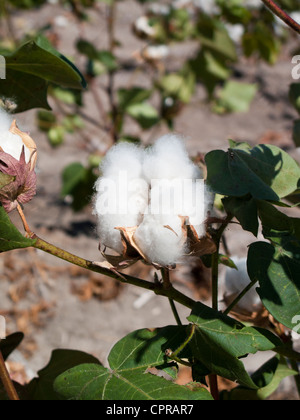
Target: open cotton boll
[
  {"x": 121, "y": 194},
  {"x": 10, "y": 143},
  {"x": 169, "y": 159},
  {"x": 111, "y": 215},
  {"x": 160, "y": 235},
  {"x": 160, "y": 244},
  {"x": 124, "y": 157},
  {"x": 235, "y": 283}
]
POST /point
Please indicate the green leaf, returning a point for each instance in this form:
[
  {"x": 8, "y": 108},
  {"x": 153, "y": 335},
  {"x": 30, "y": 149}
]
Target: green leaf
[
  {"x": 24, "y": 90},
  {"x": 133, "y": 96},
  {"x": 268, "y": 377},
  {"x": 236, "y": 96},
  {"x": 145, "y": 114},
  {"x": 179, "y": 85},
  {"x": 228, "y": 262},
  {"x": 266, "y": 172},
  {"x": 9, "y": 345},
  {"x": 41, "y": 388},
  {"x": 127, "y": 378},
  {"x": 220, "y": 341},
  {"x": 78, "y": 182},
  {"x": 245, "y": 210},
  {"x": 214, "y": 37},
  {"x": 105, "y": 57},
  {"x": 10, "y": 237},
  {"x": 277, "y": 268},
  {"x": 31, "y": 68},
  {"x": 273, "y": 221},
  {"x": 92, "y": 382}
]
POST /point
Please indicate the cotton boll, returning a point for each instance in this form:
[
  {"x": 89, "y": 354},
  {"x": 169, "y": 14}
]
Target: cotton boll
[
  {"x": 159, "y": 243},
  {"x": 111, "y": 215},
  {"x": 121, "y": 195},
  {"x": 168, "y": 159},
  {"x": 124, "y": 157},
  {"x": 160, "y": 235},
  {"x": 11, "y": 143},
  {"x": 235, "y": 283}
]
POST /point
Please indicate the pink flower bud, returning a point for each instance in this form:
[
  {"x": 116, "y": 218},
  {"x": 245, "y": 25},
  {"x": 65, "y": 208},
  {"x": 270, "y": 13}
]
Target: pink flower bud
[{"x": 18, "y": 154}]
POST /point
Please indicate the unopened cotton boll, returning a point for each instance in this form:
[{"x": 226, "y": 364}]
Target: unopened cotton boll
[
  {"x": 10, "y": 143},
  {"x": 236, "y": 281}
]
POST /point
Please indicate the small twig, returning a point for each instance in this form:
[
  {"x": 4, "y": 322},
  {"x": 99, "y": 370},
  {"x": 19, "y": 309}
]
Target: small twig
[
  {"x": 7, "y": 382},
  {"x": 239, "y": 297},
  {"x": 175, "y": 312},
  {"x": 282, "y": 15},
  {"x": 168, "y": 285},
  {"x": 213, "y": 384},
  {"x": 24, "y": 221}
]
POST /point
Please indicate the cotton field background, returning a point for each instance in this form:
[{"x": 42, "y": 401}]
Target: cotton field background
[{"x": 60, "y": 306}]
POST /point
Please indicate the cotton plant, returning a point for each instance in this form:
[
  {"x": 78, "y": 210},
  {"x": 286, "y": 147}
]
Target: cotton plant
[
  {"x": 18, "y": 155},
  {"x": 152, "y": 204}
]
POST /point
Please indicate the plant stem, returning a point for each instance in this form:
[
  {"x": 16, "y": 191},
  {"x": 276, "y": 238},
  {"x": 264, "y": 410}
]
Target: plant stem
[
  {"x": 213, "y": 379},
  {"x": 294, "y": 366},
  {"x": 282, "y": 15},
  {"x": 239, "y": 297},
  {"x": 24, "y": 221},
  {"x": 111, "y": 20},
  {"x": 213, "y": 384},
  {"x": 167, "y": 285},
  {"x": 215, "y": 280},
  {"x": 7, "y": 382},
  {"x": 158, "y": 289},
  {"x": 215, "y": 261},
  {"x": 175, "y": 312}
]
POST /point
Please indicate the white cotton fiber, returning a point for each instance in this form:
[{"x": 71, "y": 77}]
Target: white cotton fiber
[
  {"x": 124, "y": 157},
  {"x": 122, "y": 195},
  {"x": 235, "y": 283},
  {"x": 9, "y": 142},
  {"x": 151, "y": 189},
  {"x": 168, "y": 159},
  {"x": 159, "y": 243}
]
